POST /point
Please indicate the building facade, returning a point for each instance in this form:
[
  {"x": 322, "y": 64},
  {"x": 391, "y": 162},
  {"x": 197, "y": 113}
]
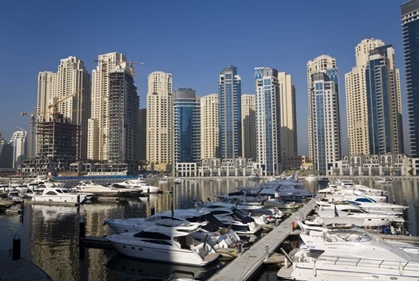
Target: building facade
[
  {"x": 98, "y": 124},
  {"x": 123, "y": 110},
  {"x": 249, "y": 138},
  {"x": 287, "y": 121},
  {"x": 384, "y": 109},
  {"x": 6, "y": 154},
  {"x": 186, "y": 129},
  {"x": 143, "y": 133},
  {"x": 325, "y": 113},
  {"x": 209, "y": 121},
  {"x": 319, "y": 64},
  {"x": 356, "y": 98},
  {"x": 20, "y": 147},
  {"x": 159, "y": 121},
  {"x": 267, "y": 104},
  {"x": 410, "y": 34},
  {"x": 230, "y": 134},
  {"x": 74, "y": 82}
]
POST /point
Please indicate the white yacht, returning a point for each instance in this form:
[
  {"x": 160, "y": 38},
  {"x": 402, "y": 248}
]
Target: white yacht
[
  {"x": 346, "y": 195},
  {"x": 254, "y": 176},
  {"x": 60, "y": 195},
  {"x": 164, "y": 244},
  {"x": 138, "y": 184},
  {"x": 177, "y": 181},
  {"x": 100, "y": 190},
  {"x": 384, "y": 180},
  {"x": 349, "y": 255},
  {"x": 371, "y": 206}
]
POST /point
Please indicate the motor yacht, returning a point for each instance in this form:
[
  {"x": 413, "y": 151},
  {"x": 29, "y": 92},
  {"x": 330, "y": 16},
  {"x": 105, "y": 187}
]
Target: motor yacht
[
  {"x": 100, "y": 190},
  {"x": 371, "y": 206},
  {"x": 349, "y": 255},
  {"x": 177, "y": 181},
  {"x": 138, "y": 184},
  {"x": 384, "y": 180},
  {"x": 61, "y": 195},
  {"x": 346, "y": 195},
  {"x": 164, "y": 244}
]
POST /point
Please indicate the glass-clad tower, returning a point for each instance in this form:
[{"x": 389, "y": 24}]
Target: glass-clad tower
[
  {"x": 186, "y": 126},
  {"x": 410, "y": 34},
  {"x": 230, "y": 133}
]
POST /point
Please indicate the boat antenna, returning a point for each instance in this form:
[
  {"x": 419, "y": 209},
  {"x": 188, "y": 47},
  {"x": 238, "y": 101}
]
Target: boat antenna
[{"x": 172, "y": 201}]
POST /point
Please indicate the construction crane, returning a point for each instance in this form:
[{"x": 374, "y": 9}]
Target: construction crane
[
  {"x": 54, "y": 104},
  {"x": 31, "y": 132}
]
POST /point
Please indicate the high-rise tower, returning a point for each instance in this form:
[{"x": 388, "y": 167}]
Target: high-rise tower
[
  {"x": 99, "y": 121},
  {"x": 230, "y": 113},
  {"x": 384, "y": 110},
  {"x": 324, "y": 113},
  {"x": 319, "y": 64},
  {"x": 410, "y": 34},
  {"x": 160, "y": 121},
  {"x": 249, "y": 139},
  {"x": 19, "y": 143},
  {"x": 209, "y": 120},
  {"x": 186, "y": 126},
  {"x": 267, "y": 104},
  {"x": 356, "y": 99}
]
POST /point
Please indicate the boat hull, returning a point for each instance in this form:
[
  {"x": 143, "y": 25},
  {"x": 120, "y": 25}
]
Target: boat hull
[{"x": 73, "y": 198}]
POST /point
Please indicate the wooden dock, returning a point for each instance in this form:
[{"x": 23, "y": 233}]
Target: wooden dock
[
  {"x": 19, "y": 270},
  {"x": 248, "y": 263}
]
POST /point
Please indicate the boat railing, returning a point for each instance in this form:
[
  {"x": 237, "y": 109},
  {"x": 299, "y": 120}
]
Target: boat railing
[{"x": 364, "y": 262}]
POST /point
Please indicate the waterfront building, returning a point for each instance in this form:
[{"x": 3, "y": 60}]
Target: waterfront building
[
  {"x": 319, "y": 64},
  {"x": 325, "y": 113},
  {"x": 375, "y": 165},
  {"x": 410, "y": 36},
  {"x": 287, "y": 114},
  {"x": 98, "y": 124},
  {"x": 159, "y": 147},
  {"x": 209, "y": 120},
  {"x": 249, "y": 139},
  {"x": 217, "y": 167},
  {"x": 384, "y": 109},
  {"x": 230, "y": 127},
  {"x": 19, "y": 143},
  {"x": 186, "y": 119},
  {"x": 356, "y": 98},
  {"x": 267, "y": 120},
  {"x": 123, "y": 110}
]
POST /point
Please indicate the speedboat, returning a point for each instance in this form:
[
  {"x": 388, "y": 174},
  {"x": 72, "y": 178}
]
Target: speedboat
[
  {"x": 164, "y": 244},
  {"x": 61, "y": 195}
]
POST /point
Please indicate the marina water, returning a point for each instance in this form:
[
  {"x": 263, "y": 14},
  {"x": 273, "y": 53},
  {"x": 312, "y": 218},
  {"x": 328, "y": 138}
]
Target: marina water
[{"x": 49, "y": 234}]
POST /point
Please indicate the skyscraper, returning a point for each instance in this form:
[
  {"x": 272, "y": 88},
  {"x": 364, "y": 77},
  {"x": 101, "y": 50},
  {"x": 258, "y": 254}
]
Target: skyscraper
[
  {"x": 123, "y": 108},
  {"x": 384, "y": 110},
  {"x": 267, "y": 104},
  {"x": 410, "y": 34},
  {"x": 73, "y": 77},
  {"x": 209, "y": 120},
  {"x": 230, "y": 113},
  {"x": 186, "y": 126},
  {"x": 319, "y": 64},
  {"x": 6, "y": 154},
  {"x": 143, "y": 133},
  {"x": 325, "y": 116},
  {"x": 19, "y": 143},
  {"x": 356, "y": 99},
  {"x": 287, "y": 121},
  {"x": 159, "y": 120},
  {"x": 99, "y": 121},
  {"x": 249, "y": 139}
]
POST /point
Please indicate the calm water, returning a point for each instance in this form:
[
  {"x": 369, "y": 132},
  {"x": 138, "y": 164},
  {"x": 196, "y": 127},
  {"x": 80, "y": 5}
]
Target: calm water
[{"x": 50, "y": 233}]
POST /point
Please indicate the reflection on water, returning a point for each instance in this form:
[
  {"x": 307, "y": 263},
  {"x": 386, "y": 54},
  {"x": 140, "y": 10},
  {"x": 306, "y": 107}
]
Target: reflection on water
[{"x": 50, "y": 233}]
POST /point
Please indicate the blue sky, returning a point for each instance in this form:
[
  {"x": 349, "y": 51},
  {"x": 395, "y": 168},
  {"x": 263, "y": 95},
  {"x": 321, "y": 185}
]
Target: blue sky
[{"x": 193, "y": 40}]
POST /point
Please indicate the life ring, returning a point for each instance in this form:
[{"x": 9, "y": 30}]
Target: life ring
[{"x": 367, "y": 227}]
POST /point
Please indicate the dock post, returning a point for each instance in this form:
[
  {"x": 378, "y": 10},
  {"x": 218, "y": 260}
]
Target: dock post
[
  {"x": 148, "y": 191},
  {"x": 82, "y": 228},
  {"x": 152, "y": 210},
  {"x": 240, "y": 248},
  {"x": 266, "y": 252},
  {"x": 16, "y": 248}
]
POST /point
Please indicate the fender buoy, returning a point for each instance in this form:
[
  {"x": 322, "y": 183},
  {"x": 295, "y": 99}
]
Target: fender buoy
[
  {"x": 367, "y": 227},
  {"x": 293, "y": 225}
]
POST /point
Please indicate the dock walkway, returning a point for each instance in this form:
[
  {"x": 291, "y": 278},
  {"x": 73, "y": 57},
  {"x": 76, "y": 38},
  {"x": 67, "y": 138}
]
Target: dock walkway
[
  {"x": 19, "y": 270},
  {"x": 249, "y": 262}
]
